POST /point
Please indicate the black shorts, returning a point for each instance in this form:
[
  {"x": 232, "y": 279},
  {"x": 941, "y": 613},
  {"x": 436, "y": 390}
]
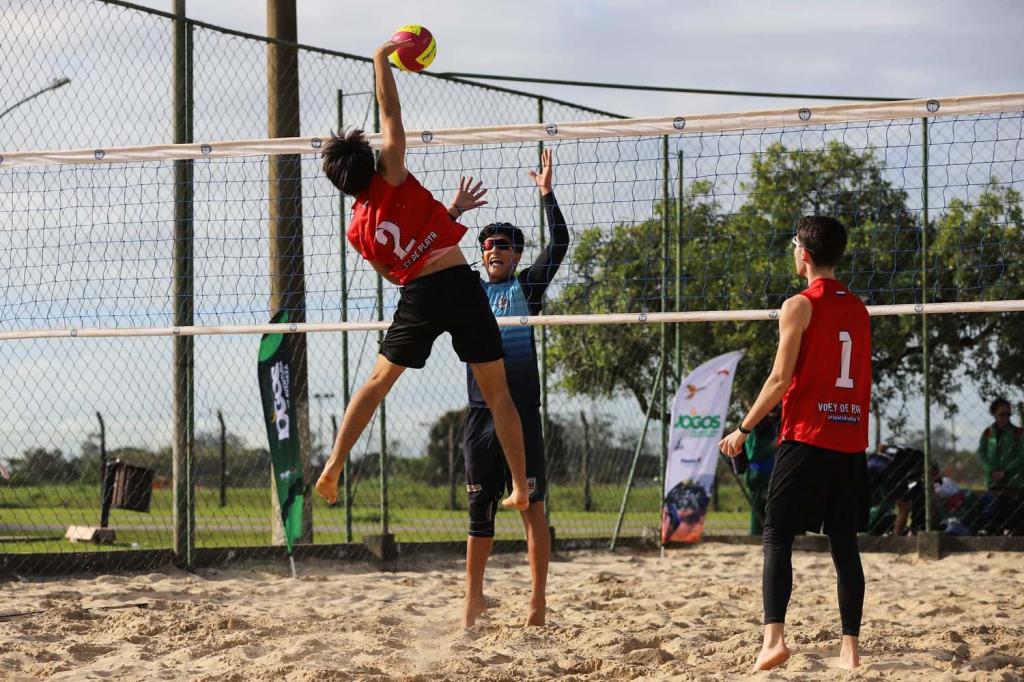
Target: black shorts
[
  {"x": 813, "y": 489},
  {"x": 450, "y": 300},
  {"x": 485, "y": 461}
]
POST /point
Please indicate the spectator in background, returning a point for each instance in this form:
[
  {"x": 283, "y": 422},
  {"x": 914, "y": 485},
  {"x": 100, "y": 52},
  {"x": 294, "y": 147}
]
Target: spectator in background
[{"x": 1001, "y": 451}]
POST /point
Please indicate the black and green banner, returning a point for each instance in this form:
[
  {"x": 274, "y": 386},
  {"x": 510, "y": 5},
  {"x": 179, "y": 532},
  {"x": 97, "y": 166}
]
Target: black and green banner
[{"x": 276, "y": 389}]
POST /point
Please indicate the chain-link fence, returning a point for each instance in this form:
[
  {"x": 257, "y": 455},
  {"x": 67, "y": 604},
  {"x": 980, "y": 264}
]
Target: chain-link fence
[{"x": 72, "y": 405}]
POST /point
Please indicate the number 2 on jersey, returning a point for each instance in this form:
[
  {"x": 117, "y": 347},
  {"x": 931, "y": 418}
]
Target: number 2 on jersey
[
  {"x": 389, "y": 229},
  {"x": 844, "y": 380}
]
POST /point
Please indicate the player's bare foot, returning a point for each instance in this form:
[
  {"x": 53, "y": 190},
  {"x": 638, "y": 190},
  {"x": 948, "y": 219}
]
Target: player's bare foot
[
  {"x": 849, "y": 657},
  {"x": 327, "y": 487},
  {"x": 475, "y": 606},
  {"x": 518, "y": 500},
  {"x": 772, "y": 657},
  {"x": 536, "y": 613}
]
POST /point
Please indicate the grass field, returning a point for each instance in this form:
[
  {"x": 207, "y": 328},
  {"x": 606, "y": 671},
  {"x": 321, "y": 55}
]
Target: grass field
[{"x": 34, "y": 518}]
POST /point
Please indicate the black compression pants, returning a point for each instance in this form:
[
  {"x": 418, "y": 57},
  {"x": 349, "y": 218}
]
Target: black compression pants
[{"x": 777, "y": 579}]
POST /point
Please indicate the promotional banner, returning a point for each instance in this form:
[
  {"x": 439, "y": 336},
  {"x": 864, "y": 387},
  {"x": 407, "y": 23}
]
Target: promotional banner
[
  {"x": 698, "y": 419},
  {"x": 276, "y": 389}
]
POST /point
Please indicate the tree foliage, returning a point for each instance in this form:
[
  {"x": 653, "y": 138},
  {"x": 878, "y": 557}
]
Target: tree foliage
[{"x": 739, "y": 256}]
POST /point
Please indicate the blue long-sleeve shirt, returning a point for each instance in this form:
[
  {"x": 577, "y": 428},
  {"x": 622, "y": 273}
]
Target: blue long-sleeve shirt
[{"x": 519, "y": 296}]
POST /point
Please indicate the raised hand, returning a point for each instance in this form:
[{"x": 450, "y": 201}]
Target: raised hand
[
  {"x": 390, "y": 46},
  {"x": 468, "y": 197},
  {"x": 546, "y": 175}
]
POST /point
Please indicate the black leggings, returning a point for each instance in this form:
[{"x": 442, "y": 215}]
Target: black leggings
[{"x": 777, "y": 579}]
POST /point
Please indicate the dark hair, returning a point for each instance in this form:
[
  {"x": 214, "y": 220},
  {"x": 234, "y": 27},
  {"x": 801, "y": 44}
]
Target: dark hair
[
  {"x": 348, "y": 161},
  {"x": 824, "y": 238},
  {"x": 514, "y": 234},
  {"x": 996, "y": 404}
]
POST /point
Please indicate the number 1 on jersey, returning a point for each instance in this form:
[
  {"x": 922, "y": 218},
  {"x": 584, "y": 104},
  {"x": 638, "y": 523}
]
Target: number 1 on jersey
[{"x": 844, "y": 380}]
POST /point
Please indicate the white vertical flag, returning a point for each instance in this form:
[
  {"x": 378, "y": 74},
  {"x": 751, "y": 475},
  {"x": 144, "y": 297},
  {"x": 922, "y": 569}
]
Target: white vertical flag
[{"x": 698, "y": 418}]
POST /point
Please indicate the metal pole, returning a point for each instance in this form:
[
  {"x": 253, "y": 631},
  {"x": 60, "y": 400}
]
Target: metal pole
[
  {"x": 383, "y": 403},
  {"x": 544, "y": 429},
  {"x": 105, "y": 490},
  {"x": 183, "y": 462},
  {"x": 680, "y": 223},
  {"x": 929, "y": 522},
  {"x": 346, "y": 383},
  {"x": 346, "y": 487},
  {"x": 451, "y": 464},
  {"x": 636, "y": 456},
  {"x": 287, "y": 267},
  {"x": 223, "y": 460},
  {"x": 587, "y": 502},
  {"x": 666, "y": 203}
]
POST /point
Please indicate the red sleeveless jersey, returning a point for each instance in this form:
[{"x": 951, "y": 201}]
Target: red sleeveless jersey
[
  {"x": 402, "y": 227},
  {"x": 828, "y": 399}
]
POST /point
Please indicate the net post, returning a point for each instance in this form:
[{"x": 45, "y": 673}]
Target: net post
[
  {"x": 183, "y": 456},
  {"x": 666, "y": 203},
  {"x": 287, "y": 270},
  {"x": 346, "y": 385},
  {"x": 636, "y": 457},
  {"x": 543, "y": 330},
  {"x": 929, "y": 521}
]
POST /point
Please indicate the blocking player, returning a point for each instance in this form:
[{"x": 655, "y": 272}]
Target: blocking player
[
  {"x": 518, "y": 295},
  {"x": 411, "y": 240},
  {"x": 822, "y": 374}
]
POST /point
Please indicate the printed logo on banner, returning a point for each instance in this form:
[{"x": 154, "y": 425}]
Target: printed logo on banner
[
  {"x": 698, "y": 417},
  {"x": 279, "y": 381}
]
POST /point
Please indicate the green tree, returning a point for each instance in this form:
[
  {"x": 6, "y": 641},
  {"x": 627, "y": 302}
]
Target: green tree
[{"x": 742, "y": 260}]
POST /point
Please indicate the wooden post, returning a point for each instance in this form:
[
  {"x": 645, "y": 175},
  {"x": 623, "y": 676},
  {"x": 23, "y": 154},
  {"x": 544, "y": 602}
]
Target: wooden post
[{"x": 287, "y": 272}]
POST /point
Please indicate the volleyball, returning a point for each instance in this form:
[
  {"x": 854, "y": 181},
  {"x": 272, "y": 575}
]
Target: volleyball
[{"x": 419, "y": 54}]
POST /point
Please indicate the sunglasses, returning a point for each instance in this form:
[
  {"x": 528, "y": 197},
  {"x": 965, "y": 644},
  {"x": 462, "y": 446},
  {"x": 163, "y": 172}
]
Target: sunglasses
[
  {"x": 796, "y": 242},
  {"x": 497, "y": 244}
]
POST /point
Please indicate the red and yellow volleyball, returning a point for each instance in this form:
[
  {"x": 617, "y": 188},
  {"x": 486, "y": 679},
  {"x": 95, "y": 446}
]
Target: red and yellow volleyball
[{"x": 417, "y": 55}]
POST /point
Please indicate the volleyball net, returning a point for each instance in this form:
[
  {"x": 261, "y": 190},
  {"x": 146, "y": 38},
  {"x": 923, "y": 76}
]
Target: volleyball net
[{"x": 679, "y": 249}]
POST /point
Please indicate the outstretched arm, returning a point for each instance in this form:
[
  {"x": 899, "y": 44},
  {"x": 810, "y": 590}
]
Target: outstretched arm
[
  {"x": 392, "y": 152},
  {"x": 793, "y": 320},
  {"x": 537, "y": 277}
]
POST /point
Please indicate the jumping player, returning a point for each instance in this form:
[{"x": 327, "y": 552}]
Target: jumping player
[
  {"x": 486, "y": 476},
  {"x": 822, "y": 373},
  {"x": 411, "y": 240}
]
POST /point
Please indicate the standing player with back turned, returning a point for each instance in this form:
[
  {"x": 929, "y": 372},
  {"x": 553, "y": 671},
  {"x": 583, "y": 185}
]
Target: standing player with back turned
[
  {"x": 822, "y": 374},
  {"x": 411, "y": 240}
]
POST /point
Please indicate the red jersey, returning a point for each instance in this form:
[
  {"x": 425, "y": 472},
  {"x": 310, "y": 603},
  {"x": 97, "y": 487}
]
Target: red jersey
[
  {"x": 827, "y": 401},
  {"x": 402, "y": 227}
]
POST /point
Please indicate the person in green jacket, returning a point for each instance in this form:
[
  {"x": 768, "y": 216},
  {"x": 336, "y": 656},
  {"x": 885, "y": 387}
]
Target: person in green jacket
[{"x": 1001, "y": 449}]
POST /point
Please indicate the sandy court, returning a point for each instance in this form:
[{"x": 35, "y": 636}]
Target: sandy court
[{"x": 692, "y": 615}]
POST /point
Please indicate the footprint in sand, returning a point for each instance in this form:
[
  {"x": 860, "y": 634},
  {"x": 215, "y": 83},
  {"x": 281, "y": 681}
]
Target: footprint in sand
[{"x": 88, "y": 652}]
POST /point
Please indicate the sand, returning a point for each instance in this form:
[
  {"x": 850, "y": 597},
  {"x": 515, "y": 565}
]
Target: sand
[{"x": 694, "y": 614}]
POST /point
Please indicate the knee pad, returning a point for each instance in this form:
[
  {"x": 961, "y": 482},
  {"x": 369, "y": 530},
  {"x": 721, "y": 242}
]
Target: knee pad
[{"x": 483, "y": 506}]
